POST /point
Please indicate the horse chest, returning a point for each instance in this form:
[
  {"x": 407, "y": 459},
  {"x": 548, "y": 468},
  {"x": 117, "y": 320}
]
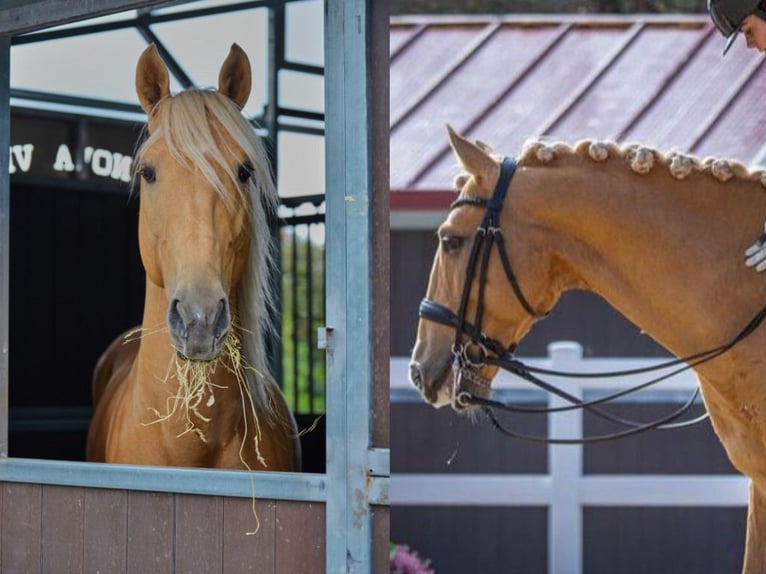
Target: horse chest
[{"x": 739, "y": 420}]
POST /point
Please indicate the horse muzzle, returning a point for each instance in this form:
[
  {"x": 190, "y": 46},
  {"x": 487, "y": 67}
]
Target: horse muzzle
[
  {"x": 436, "y": 389},
  {"x": 199, "y": 326}
]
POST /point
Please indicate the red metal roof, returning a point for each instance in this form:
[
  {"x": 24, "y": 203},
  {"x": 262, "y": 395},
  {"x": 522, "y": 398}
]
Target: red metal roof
[{"x": 656, "y": 80}]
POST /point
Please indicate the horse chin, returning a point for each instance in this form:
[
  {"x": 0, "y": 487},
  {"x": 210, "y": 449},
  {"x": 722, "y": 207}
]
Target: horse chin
[
  {"x": 200, "y": 353},
  {"x": 200, "y": 358}
]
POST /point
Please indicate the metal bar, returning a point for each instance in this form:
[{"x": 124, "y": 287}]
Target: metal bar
[
  {"x": 301, "y": 129},
  {"x": 5, "y": 201},
  {"x": 80, "y": 101},
  {"x": 349, "y": 290},
  {"x": 316, "y": 200},
  {"x": 302, "y": 114},
  {"x": 40, "y": 14},
  {"x": 322, "y": 305},
  {"x": 296, "y": 318},
  {"x": 310, "y": 327},
  {"x": 301, "y": 220},
  {"x": 72, "y": 32},
  {"x": 275, "y": 51},
  {"x": 172, "y": 64},
  {"x": 303, "y": 68},
  {"x": 467, "y": 53},
  {"x": 151, "y": 17},
  {"x": 240, "y": 483}
]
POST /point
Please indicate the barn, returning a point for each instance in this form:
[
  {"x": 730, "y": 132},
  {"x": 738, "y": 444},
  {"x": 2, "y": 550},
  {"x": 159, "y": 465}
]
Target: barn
[
  {"x": 70, "y": 273},
  {"x": 463, "y": 495}
]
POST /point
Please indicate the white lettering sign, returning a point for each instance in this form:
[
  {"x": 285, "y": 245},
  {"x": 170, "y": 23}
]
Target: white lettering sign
[
  {"x": 21, "y": 157},
  {"x": 63, "y": 159},
  {"x": 105, "y": 163}
]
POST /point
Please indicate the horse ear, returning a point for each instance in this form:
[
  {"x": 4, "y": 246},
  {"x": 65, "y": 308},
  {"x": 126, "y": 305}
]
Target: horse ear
[
  {"x": 234, "y": 80},
  {"x": 474, "y": 159},
  {"x": 152, "y": 80}
]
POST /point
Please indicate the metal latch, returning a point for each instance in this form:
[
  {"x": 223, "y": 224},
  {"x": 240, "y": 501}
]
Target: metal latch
[{"x": 324, "y": 337}]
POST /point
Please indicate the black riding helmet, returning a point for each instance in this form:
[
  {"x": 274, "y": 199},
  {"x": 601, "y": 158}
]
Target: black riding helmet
[{"x": 728, "y": 16}]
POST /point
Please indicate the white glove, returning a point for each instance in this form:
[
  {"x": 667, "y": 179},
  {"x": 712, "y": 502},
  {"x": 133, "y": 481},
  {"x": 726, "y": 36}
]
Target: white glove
[{"x": 756, "y": 253}]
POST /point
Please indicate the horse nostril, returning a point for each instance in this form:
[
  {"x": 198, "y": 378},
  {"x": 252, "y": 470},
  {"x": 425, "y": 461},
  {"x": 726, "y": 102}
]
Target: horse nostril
[
  {"x": 175, "y": 321},
  {"x": 416, "y": 375},
  {"x": 222, "y": 319}
]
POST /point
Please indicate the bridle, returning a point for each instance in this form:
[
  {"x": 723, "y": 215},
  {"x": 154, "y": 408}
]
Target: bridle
[{"x": 472, "y": 348}]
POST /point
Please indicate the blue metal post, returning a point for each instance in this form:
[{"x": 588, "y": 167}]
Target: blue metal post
[
  {"x": 5, "y": 196},
  {"x": 349, "y": 284}
]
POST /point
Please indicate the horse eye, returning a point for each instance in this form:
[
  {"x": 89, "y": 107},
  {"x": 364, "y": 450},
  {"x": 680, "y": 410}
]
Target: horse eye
[
  {"x": 451, "y": 243},
  {"x": 147, "y": 172},
  {"x": 245, "y": 172}
]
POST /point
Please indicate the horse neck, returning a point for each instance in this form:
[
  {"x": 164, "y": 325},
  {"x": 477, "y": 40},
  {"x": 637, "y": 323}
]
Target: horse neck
[{"x": 666, "y": 253}]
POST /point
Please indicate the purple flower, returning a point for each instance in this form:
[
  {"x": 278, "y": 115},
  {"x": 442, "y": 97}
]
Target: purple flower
[{"x": 406, "y": 561}]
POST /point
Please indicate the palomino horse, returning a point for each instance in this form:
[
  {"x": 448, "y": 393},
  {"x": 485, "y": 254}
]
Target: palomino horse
[
  {"x": 658, "y": 236},
  {"x": 191, "y": 388}
]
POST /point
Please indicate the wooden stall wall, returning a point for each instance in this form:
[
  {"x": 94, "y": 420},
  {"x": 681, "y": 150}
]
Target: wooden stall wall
[
  {"x": 68, "y": 529},
  {"x": 381, "y": 260}
]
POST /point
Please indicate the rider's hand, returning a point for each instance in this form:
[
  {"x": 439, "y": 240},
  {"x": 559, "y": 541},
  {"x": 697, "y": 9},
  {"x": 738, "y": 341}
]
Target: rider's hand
[{"x": 756, "y": 253}]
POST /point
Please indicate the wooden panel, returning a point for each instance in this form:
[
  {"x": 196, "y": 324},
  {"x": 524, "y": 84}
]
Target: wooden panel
[
  {"x": 689, "y": 540},
  {"x": 380, "y": 225},
  {"x": 105, "y": 530},
  {"x": 22, "y": 508},
  {"x": 452, "y": 444},
  {"x": 473, "y": 539},
  {"x": 243, "y": 552},
  {"x": 300, "y": 537},
  {"x": 62, "y": 538},
  {"x": 381, "y": 522},
  {"x": 199, "y": 532},
  {"x": 691, "y": 450},
  {"x": 150, "y": 532}
]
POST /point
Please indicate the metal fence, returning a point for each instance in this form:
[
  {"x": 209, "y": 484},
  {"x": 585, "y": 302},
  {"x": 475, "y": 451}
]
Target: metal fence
[{"x": 302, "y": 264}]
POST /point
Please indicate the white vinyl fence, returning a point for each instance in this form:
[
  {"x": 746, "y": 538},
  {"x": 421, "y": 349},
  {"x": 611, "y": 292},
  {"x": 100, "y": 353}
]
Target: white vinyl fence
[{"x": 565, "y": 490}]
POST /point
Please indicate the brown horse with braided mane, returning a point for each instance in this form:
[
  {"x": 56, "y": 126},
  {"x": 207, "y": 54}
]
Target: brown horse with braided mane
[
  {"x": 656, "y": 235},
  {"x": 192, "y": 386}
]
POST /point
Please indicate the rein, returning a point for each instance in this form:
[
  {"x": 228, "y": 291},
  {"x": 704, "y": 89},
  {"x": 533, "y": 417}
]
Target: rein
[{"x": 481, "y": 350}]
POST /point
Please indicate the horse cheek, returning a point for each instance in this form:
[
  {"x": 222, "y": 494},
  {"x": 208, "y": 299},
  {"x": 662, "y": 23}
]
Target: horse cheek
[{"x": 147, "y": 246}]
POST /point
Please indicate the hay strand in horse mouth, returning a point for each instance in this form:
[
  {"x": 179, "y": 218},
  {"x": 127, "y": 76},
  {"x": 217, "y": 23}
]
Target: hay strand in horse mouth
[
  {"x": 195, "y": 389},
  {"x": 194, "y": 384}
]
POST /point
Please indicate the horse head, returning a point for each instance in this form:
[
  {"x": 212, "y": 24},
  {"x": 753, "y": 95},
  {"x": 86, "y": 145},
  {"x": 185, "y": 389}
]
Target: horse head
[
  {"x": 462, "y": 299},
  {"x": 204, "y": 181}
]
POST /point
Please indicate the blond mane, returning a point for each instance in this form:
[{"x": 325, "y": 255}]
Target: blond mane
[
  {"x": 641, "y": 159},
  {"x": 195, "y": 126}
]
